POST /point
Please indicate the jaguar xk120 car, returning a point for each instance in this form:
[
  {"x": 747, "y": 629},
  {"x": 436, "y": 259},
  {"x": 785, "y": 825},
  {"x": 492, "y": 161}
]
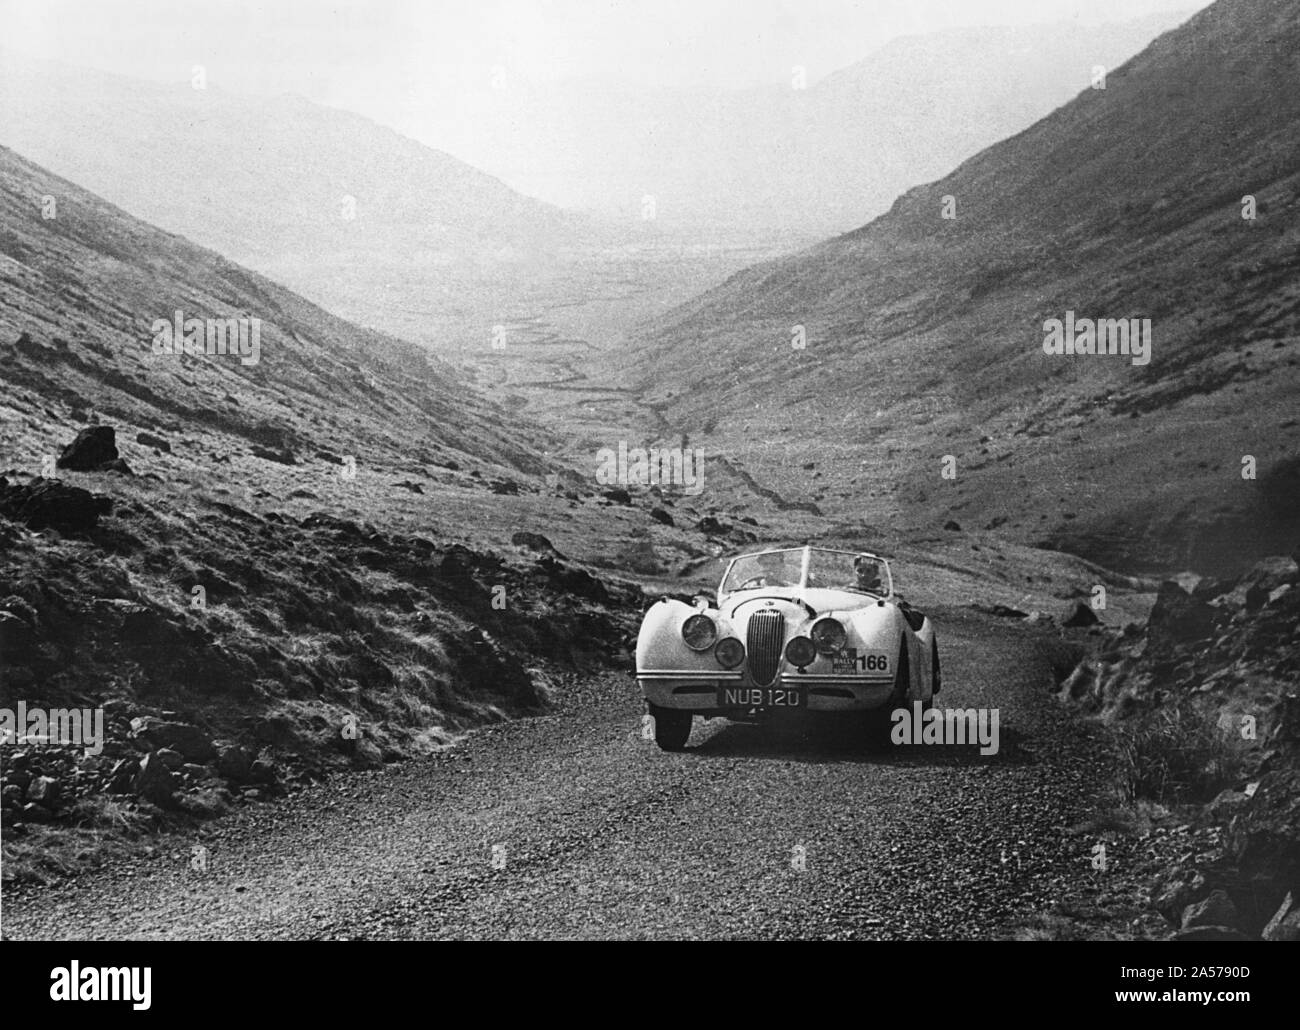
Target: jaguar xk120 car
[{"x": 806, "y": 629}]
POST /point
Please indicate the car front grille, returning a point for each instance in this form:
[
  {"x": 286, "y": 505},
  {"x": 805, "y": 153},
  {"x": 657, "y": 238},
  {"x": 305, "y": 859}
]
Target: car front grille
[{"x": 765, "y": 638}]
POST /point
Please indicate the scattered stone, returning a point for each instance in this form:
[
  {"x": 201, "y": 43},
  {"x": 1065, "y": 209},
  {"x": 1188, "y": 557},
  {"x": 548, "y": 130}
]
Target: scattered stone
[
  {"x": 156, "y": 442},
  {"x": 952, "y": 526},
  {"x": 661, "y": 516},
  {"x": 617, "y": 495},
  {"x": 44, "y": 790}
]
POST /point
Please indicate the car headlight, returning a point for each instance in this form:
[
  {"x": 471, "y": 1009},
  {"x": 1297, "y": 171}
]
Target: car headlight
[
  {"x": 800, "y": 652},
  {"x": 828, "y": 635},
  {"x": 699, "y": 632},
  {"x": 730, "y": 652}
]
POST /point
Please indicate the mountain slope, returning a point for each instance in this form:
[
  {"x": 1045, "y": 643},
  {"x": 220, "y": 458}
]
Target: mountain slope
[
  {"x": 87, "y": 285},
  {"x": 925, "y": 334},
  {"x": 330, "y": 203}
]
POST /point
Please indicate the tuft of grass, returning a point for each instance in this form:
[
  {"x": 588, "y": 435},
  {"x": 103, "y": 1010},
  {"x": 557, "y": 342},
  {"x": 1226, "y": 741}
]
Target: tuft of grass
[{"x": 1178, "y": 755}]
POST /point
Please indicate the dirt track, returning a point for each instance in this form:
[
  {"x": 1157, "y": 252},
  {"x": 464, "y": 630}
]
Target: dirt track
[{"x": 602, "y": 835}]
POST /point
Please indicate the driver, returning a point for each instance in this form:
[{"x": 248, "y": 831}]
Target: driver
[
  {"x": 867, "y": 573},
  {"x": 772, "y": 566}
]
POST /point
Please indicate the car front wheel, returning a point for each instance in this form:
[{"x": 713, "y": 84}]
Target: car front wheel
[{"x": 672, "y": 727}]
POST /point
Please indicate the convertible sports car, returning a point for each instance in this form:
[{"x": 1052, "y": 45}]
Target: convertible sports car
[{"x": 800, "y": 629}]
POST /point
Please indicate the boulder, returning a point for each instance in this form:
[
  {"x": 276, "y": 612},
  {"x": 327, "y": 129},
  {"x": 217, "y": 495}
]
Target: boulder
[
  {"x": 1285, "y": 924},
  {"x": 661, "y": 516},
  {"x": 1178, "y": 618},
  {"x": 233, "y": 760},
  {"x": 1216, "y": 909},
  {"x": 50, "y": 504},
  {"x": 533, "y": 542},
  {"x": 93, "y": 447},
  {"x": 186, "y": 739},
  {"x": 155, "y": 782}
]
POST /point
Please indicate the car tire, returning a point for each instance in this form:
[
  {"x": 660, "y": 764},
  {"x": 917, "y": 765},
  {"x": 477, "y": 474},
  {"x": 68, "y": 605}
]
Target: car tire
[{"x": 672, "y": 727}]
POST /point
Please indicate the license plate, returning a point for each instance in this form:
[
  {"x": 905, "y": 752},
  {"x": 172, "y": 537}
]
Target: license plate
[
  {"x": 852, "y": 660},
  {"x": 760, "y": 697}
]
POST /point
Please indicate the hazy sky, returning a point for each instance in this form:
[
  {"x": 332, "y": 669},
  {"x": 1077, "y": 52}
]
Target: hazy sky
[{"x": 365, "y": 54}]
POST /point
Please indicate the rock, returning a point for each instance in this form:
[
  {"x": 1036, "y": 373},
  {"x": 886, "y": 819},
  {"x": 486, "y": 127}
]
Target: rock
[
  {"x": 617, "y": 495},
  {"x": 252, "y": 794},
  {"x": 196, "y": 772},
  {"x": 1210, "y": 933},
  {"x": 93, "y": 447},
  {"x": 1285, "y": 924},
  {"x": 1226, "y": 805},
  {"x": 415, "y": 488},
  {"x": 33, "y": 813},
  {"x": 121, "y": 778},
  {"x": 16, "y": 637},
  {"x": 284, "y": 456},
  {"x": 1263, "y": 842},
  {"x": 1177, "y": 617},
  {"x": 1002, "y": 611},
  {"x": 710, "y": 526},
  {"x": 1081, "y": 615},
  {"x": 506, "y": 487},
  {"x": 262, "y": 771},
  {"x": 1215, "y": 910},
  {"x": 156, "y": 442},
  {"x": 44, "y": 790},
  {"x": 233, "y": 760},
  {"x": 116, "y": 465},
  {"x": 952, "y": 526},
  {"x": 155, "y": 781},
  {"x": 661, "y": 516},
  {"x": 534, "y": 542},
  {"x": 172, "y": 759},
  {"x": 50, "y": 504},
  {"x": 11, "y": 795},
  {"x": 183, "y": 737}
]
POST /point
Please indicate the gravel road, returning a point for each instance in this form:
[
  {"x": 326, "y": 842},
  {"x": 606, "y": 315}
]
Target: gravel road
[{"x": 573, "y": 826}]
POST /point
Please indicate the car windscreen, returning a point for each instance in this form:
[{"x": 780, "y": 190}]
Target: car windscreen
[
  {"x": 834, "y": 570},
  {"x": 770, "y": 569}
]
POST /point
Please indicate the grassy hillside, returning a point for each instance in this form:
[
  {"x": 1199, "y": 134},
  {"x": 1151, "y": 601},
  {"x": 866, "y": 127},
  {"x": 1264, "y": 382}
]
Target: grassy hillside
[{"x": 924, "y": 334}]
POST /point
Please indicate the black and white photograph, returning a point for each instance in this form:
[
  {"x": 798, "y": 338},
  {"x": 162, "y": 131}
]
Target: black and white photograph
[{"x": 651, "y": 470}]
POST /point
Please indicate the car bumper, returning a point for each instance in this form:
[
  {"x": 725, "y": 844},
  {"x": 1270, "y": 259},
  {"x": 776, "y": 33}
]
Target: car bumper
[{"x": 819, "y": 693}]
